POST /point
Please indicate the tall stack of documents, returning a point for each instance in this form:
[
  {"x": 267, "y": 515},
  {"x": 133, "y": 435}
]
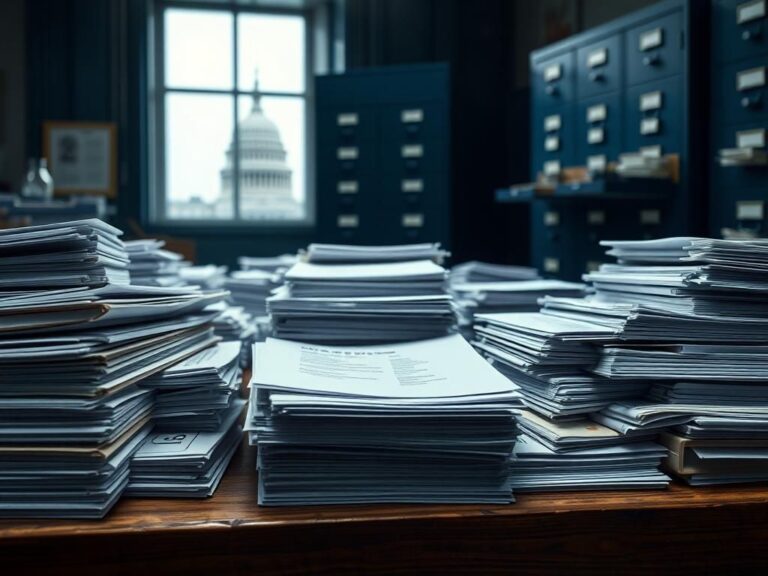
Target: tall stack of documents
[
  {"x": 151, "y": 265},
  {"x": 691, "y": 318},
  {"x": 197, "y": 406},
  {"x": 73, "y": 348},
  {"x": 363, "y": 303},
  {"x": 551, "y": 358},
  {"x": 426, "y": 421}
]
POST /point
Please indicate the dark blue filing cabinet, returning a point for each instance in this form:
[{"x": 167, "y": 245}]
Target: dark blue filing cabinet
[
  {"x": 383, "y": 146},
  {"x": 739, "y": 116},
  {"x": 637, "y": 84}
]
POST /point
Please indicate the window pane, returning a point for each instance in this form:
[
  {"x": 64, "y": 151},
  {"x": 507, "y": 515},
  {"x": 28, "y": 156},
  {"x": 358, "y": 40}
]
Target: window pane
[
  {"x": 198, "y": 135},
  {"x": 273, "y": 47},
  {"x": 272, "y": 158},
  {"x": 198, "y": 49}
]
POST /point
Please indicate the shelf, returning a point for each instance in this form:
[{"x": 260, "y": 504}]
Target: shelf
[{"x": 624, "y": 189}]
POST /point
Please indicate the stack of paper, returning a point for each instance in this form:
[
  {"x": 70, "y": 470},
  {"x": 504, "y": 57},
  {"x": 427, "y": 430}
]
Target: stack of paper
[
  {"x": 358, "y": 303},
  {"x": 582, "y": 456},
  {"x": 550, "y": 358},
  {"x": 197, "y": 393},
  {"x": 275, "y": 264},
  {"x": 251, "y": 288},
  {"x": 519, "y": 296},
  {"x": 151, "y": 265},
  {"x": 639, "y": 165},
  {"x": 68, "y": 254},
  {"x": 71, "y": 410},
  {"x": 208, "y": 277},
  {"x": 692, "y": 319},
  {"x": 182, "y": 463},
  {"x": 742, "y": 157},
  {"x": 474, "y": 271},
  {"x": 349, "y": 254},
  {"x": 426, "y": 421}
]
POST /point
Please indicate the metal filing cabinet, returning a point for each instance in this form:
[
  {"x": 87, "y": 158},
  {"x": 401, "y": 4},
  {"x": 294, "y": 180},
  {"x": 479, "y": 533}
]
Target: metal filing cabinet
[
  {"x": 739, "y": 114},
  {"x": 631, "y": 85},
  {"x": 383, "y": 155}
]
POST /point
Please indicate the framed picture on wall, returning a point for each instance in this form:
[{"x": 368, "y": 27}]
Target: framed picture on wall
[{"x": 82, "y": 157}]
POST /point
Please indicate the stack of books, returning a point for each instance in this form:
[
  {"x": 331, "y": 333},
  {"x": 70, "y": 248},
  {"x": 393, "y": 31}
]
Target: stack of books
[
  {"x": 151, "y": 265},
  {"x": 75, "y": 341},
  {"x": 424, "y": 422},
  {"x": 364, "y": 303}
]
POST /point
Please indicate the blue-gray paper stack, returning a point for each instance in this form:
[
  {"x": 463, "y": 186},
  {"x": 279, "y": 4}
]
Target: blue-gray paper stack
[
  {"x": 692, "y": 319},
  {"x": 426, "y": 421},
  {"x": 348, "y": 295},
  {"x": 75, "y": 340}
]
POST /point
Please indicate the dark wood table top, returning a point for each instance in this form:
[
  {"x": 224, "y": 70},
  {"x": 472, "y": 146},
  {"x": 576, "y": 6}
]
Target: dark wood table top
[
  {"x": 589, "y": 532},
  {"x": 234, "y": 505}
]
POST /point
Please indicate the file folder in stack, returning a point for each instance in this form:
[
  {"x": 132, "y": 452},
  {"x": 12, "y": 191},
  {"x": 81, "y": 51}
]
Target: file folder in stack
[
  {"x": 425, "y": 422},
  {"x": 151, "y": 265},
  {"x": 198, "y": 393},
  {"x": 363, "y": 303},
  {"x": 71, "y": 410},
  {"x": 183, "y": 463},
  {"x": 708, "y": 358}
]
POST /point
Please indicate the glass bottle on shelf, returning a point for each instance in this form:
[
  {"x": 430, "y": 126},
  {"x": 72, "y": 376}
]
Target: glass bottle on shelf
[
  {"x": 45, "y": 178},
  {"x": 38, "y": 183}
]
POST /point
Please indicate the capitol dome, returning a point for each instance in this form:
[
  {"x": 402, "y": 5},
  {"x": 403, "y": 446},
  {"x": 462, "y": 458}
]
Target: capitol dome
[{"x": 265, "y": 177}]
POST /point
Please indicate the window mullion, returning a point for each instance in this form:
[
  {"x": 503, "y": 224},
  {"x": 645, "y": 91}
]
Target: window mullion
[{"x": 236, "y": 135}]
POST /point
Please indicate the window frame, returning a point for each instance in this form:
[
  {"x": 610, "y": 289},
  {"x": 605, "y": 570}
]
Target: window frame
[{"x": 156, "y": 214}]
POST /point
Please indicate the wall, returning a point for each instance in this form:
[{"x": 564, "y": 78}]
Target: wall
[{"x": 12, "y": 94}]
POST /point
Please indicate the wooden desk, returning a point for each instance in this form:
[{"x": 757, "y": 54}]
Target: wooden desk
[{"x": 709, "y": 531}]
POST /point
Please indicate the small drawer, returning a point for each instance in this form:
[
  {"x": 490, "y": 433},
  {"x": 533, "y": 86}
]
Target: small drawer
[
  {"x": 739, "y": 29},
  {"x": 654, "y": 50},
  {"x": 598, "y": 67}
]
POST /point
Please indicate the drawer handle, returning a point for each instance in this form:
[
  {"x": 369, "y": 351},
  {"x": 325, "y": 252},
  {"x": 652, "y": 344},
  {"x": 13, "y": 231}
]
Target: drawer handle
[
  {"x": 651, "y": 60},
  {"x": 748, "y": 35},
  {"x": 750, "y": 102},
  {"x": 552, "y": 90},
  {"x": 596, "y": 76}
]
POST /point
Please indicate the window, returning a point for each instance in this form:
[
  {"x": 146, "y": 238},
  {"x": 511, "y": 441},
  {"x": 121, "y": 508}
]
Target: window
[{"x": 231, "y": 98}]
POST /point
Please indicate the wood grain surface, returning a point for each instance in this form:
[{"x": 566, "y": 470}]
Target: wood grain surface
[{"x": 712, "y": 531}]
